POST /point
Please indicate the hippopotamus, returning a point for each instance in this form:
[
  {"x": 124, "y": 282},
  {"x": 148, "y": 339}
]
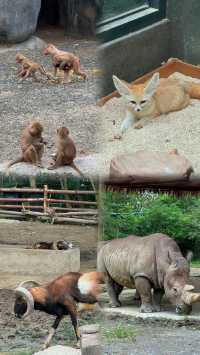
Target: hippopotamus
[{"x": 145, "y": 263}]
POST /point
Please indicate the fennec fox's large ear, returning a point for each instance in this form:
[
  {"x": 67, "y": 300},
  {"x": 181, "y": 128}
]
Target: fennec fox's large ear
[
  {"x": 122, "y": 87},
  {"x": 152, "y": 85}
]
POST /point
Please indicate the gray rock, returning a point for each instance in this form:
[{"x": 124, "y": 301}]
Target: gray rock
[
  {"x": 59, "y": 350},
  {"x": 33, "y": 43},
  {"x": 89, "y": 165},
  {"x": 18, "y": 19}
]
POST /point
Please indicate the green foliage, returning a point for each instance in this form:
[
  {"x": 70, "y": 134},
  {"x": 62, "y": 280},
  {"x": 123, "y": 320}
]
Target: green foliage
[{"x": 147, "y": 213}]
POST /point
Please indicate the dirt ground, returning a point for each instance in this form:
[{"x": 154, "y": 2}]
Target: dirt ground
[
  {"x": 72, "y": 105},
  {"x": 179, "y": 130},
  {"x": 120, "y": 336}
]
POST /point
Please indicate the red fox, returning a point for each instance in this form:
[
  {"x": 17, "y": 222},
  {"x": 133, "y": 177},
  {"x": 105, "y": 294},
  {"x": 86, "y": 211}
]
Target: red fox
[{"x": 156, "y": 97}]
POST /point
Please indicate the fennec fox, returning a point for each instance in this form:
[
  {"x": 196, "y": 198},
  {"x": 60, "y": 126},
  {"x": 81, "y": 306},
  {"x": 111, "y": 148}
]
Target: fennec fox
[{"x": 158, "y": 96}]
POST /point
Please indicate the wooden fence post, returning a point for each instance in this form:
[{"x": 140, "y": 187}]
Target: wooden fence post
[{"x": 45, "y": 203}]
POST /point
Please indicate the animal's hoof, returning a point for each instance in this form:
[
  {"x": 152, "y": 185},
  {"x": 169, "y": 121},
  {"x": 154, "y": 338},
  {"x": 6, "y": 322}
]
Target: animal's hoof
[
  {"x": 78, "y": 344},
  {"x": 115, "y": 305},
  {"x": 146, "y": 309},
  {"x": 157, "y": 308},
  {"x": 44, "y": 347},
  {"x": 136, "y": 297},
  {"x": 138, "y": 126},
  {"x": 117, "y": 136}
]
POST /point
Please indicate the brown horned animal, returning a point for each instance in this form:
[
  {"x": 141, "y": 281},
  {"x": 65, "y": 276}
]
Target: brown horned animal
[{"x": 59, "y": 298}]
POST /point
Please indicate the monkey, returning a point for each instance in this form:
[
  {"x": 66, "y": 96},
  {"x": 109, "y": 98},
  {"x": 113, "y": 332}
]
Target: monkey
[
  {"x": 32, "y": 145},
  {"x": 66, "y": 151},
  {"x": 65, "y": 61},
  {"x": 29, "y": 68}
]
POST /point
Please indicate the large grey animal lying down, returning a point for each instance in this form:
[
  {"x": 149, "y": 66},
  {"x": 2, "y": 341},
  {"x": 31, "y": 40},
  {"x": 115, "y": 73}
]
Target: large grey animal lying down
[{"x": 143, "y": 263}]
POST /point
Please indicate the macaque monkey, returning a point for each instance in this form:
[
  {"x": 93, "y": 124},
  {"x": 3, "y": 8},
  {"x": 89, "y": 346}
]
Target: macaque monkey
[
  {"x": 32, "y": 145},
  {"x": 65, "y": 61},
  {"x": 66, "y": 151},
  {"x": 29, "y": 68}
]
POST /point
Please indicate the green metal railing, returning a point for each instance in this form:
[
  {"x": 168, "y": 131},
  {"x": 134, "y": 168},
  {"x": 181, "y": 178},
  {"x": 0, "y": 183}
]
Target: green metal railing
[{"x": 132, "y": 20}]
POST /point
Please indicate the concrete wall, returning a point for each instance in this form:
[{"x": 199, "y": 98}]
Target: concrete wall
[
  {"x": 177, "y": 36},
  {"x": 185, "y": 30},
  {"x": 135, "y": 54},
  {"x": 33, "y": 262}
]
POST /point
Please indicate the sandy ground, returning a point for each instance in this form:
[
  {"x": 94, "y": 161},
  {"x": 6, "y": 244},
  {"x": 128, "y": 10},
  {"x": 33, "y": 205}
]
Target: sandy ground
[
  {"x": 179, "y": 130},
  {"x": 72, "y": 105}
]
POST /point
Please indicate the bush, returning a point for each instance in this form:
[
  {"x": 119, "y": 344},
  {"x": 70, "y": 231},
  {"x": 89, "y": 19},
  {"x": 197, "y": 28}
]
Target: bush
[{"x": 147, "y": 213}]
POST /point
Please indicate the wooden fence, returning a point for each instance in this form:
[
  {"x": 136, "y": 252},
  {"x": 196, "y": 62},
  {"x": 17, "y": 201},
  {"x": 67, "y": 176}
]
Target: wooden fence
[{"x": 67, "y": 206}]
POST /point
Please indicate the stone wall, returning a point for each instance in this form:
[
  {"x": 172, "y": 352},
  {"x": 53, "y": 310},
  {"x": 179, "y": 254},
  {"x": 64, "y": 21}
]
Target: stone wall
[{"x": 18, "y": 19}]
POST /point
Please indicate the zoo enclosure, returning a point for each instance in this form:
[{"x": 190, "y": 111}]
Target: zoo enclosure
[{"x": 76, "y": 206}]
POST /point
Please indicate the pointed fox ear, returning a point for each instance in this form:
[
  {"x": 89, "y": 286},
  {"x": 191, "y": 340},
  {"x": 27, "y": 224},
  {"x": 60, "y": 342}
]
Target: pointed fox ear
[
  {"x": 121, "y": 87},
  {"x": 151, "y": 87}
]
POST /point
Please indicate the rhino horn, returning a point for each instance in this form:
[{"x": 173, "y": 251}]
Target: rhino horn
[
  {"x": 190, "y": 297},
  {"x": 188, "y": 288}
]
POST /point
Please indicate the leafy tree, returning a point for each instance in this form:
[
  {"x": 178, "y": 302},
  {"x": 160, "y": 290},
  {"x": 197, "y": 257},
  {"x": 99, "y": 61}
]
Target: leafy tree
[{"x": 146, "y": 213}]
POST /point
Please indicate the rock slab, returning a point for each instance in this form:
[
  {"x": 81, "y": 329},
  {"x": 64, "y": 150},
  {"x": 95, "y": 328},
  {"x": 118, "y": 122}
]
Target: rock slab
[
  {"x": 59, "y": 350},
  {"x": 18, "y": 19}
]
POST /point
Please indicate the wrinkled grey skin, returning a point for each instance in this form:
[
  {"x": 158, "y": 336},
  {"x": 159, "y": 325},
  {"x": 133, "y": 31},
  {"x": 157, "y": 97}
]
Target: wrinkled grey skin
[{"x": 143, "y": 263}]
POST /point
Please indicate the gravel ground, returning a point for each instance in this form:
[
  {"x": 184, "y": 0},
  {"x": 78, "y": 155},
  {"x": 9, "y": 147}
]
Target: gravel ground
[
  {"x": 179, "y": 130},
  {"x": 157, "y": 340},
  {"x": 73, "y": 105}
]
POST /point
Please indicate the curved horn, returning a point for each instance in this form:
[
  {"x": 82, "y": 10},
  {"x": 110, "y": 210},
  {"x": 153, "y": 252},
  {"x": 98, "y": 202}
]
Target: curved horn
[
  {"x": 25, "y": 294},
  {"x": 29, "y": 284},
  {"x": 190, "y": 297}
]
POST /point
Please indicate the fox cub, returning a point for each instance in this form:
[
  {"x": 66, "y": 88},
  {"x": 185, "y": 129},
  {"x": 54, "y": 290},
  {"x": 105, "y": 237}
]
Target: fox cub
[{"x": 156, "y": 97}]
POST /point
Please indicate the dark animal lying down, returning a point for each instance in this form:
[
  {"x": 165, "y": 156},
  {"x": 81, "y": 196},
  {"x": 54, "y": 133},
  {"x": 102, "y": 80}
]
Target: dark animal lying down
[
  {"x": 59, "y": 245},
  {"x": 146, "y": 263},
  {"x": 59, "y": 298}
]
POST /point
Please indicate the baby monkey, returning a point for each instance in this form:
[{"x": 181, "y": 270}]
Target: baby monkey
[
  {"x": 32, "y": 145},
  {"x": 29, "y": 68},
  {"x": 65, "y": 61},
  {"x": 66, "y": 151}
]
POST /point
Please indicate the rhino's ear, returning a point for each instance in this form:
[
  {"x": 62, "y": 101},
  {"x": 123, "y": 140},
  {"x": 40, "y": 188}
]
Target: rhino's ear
[
  {"x": 122, "y": 87},
  {"x": 152, "y": 85}
]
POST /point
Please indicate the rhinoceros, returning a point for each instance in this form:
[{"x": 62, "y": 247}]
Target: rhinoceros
[{"x": 146, "y": 263}]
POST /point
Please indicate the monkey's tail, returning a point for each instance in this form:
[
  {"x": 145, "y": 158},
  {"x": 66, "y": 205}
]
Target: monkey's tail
[
  {"x": 44, "y": 72},
  {"x": 18, "y": 160},
  {"x": 73, "y": 165},
  {"x": 83, "y": 176}
]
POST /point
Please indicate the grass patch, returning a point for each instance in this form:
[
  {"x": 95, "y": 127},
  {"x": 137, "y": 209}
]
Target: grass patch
[{"x": 120, "y": 332}]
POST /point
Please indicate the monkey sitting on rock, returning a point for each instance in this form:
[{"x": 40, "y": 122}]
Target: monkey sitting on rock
[
  {"x": 32, "y": 145},
  {"x": 66, "y": 151}
]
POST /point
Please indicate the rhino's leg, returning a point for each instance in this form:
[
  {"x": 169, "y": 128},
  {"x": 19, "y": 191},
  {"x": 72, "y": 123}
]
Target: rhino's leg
[
  {"x": 136, "y": 296},
  {"x": 157, "y": 298},
  {"x": 114, "y": 291},
  {"x": 143, "y": 286}
]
